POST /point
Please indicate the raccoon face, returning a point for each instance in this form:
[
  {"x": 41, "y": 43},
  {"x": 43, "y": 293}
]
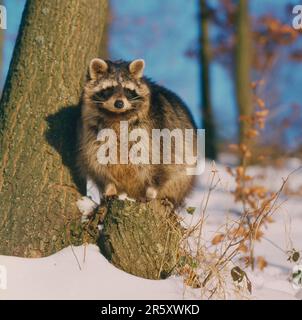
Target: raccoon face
[{"x": 117, "y": 87}]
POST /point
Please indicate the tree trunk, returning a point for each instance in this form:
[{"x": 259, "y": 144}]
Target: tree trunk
[
  {"x": 141, "y": 238},
  {"x": 243, "y": 66},
  {"x": 38, "y": 114},
  {"x": 205, "y": 60}
]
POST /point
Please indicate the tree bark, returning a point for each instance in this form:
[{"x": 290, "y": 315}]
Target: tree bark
[
  {"x": 104, "y": 50},
  {"x": 243, "y": 66},
  {"x": 141, "y": 238},
  {"x": 205, "y": 60},
  {"x": 38, "y": 114}
]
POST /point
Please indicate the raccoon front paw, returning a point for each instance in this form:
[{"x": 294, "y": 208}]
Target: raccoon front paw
[
  {"x": 110, "y": 191},
  {"x": 86, "y": 206},
  {"x": 124, "y": 196},
  {"x": 151, "y": 193}
]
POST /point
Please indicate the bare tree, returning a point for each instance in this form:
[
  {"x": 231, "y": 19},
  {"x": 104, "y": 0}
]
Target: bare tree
[
  {"x": 243, "y": 65},
  {"x": 205, "y": 60}
]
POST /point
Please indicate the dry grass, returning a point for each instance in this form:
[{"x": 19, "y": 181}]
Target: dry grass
[
  {"x": 210, "y": 267},
  {"x": 217, "y": 270}
]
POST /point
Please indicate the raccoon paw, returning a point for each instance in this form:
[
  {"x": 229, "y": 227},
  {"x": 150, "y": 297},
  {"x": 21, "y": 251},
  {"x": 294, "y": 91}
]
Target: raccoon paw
[
  {"x": 124, "y": 196},
  {"x": 86, "y": 206},
  {"x": 151, "y": 193},
  {"x": 110, "y": 191}
]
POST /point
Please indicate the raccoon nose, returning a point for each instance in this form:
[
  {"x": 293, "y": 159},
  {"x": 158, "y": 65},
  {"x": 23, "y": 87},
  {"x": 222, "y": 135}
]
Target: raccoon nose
[{"x": 119, "y": 104}]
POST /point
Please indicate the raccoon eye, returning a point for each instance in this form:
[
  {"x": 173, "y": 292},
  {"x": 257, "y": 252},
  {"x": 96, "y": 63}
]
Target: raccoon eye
[
  {"x": 131, "y": 94},
  {"x": 104, "y": 94}
]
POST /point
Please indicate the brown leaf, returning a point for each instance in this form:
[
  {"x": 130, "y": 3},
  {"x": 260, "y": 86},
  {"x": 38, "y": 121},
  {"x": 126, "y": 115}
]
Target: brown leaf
[
  {"x": 218, "y": 238},
  {"x": 237, "y": 274},
  {"x": 296, "y": 256},
  {"x": 269, "y": 219},
  {"x": 262, "y": 113},
  {"x": 252, "y": 133},
  {"x": 240, "y": 171},
  {"x": 258, "y": 234},
  {"x": 243, "y": 248},
  {"x": 239, "y": 232},
  {"x": 260, "y": 103},
  {"x": 191, "y": 210},
  {"x": 261, "y": 263}
]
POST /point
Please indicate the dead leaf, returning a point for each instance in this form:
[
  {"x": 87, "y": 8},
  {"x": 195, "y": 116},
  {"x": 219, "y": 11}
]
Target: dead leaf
[
  {"x": 218, "y": 238},
  {"x": 237, "y": 274},
  {"x": 261, "y": 263},
  {"x": 191, "y": 210}
]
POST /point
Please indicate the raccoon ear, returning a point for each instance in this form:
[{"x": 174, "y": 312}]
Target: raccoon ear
[
  {"x": 136, "y": 68},
  {"x": 97, "y": 67}
]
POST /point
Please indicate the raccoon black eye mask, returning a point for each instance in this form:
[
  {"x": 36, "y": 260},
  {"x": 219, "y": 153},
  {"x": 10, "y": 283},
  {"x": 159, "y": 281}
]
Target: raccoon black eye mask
[
  {"x": 104, "y": 94},
  {"x": 131, "y": 94},
  {"x": 107, "y": 93}
]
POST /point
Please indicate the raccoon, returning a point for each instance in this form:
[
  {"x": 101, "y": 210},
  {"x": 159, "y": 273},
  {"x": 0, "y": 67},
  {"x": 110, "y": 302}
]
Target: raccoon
[{"x": 119, "y": 91}]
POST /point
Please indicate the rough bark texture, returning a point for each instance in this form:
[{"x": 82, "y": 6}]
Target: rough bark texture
[
  {"x": 104, "y": 50},
  {"x": 205, "y": 60},
  {"x": 141, "y": 238},
  {"x": 38, "y": 114},
  {"x": 243, "y": 65}
]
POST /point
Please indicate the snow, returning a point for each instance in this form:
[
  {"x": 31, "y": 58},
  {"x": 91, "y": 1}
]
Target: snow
[
  {"x": 60, "y": 277},
  {"x": 83, "y": 273}
]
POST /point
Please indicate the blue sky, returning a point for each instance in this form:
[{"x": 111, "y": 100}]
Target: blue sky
[{"x": 161, "y": 32}]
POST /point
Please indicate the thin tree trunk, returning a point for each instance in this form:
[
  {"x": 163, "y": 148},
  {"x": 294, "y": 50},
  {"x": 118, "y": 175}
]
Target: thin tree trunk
[
  {"x": 243, "y": 66},
  {"x": 205, "y": 60},
  {"x": 104, "y": 50},
  {"x": 38, "y": 114}
]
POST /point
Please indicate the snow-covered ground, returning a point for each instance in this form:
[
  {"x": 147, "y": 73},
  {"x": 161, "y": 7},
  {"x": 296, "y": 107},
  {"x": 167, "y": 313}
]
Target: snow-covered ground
[{"x": 65, "y": 275}]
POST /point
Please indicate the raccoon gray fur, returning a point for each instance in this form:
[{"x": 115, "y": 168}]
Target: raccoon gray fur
[{"x": 118, "y": 91}]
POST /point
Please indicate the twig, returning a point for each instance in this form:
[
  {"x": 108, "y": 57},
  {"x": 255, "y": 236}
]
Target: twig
[{"x": 75, "y": 257}]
